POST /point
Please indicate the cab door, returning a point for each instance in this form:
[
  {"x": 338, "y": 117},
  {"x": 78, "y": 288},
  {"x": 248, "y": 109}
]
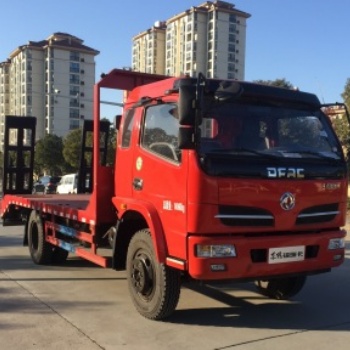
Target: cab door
[
  {"x": 160, "y": 172},
  {"x": 124, "y": 163}
]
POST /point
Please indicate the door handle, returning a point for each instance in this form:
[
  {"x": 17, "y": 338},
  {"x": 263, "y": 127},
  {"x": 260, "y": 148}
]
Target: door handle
[{"x": 137, "y": 184}]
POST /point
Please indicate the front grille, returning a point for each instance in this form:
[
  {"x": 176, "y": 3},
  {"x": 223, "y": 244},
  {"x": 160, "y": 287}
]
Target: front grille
[
  {"x": 318, "y": 214},
  {"x": 244, "y": 216}
]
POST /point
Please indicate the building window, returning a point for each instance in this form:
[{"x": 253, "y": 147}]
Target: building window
[
  {"x": 231, "y": 67},
  {"x": 231, "y": 47},
  {"x": 74, "y": 67},
  {"x": 74, "y": 124},
  {"x": 232, "y": 18},
  {"x": 231, "y": 57},
  {"x": 74, "y": 79},
  {"x": 74, "y": 102},
  {"x": 232, "y": 28},
  {"x": 74, "y": 113},
  {"x": 74, "y": 56},
  {"x": 74, "y": 90},
  {"x": 231, "y": 38}
]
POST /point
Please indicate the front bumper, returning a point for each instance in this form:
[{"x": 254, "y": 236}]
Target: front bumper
[{"x": 252, "y": 255}]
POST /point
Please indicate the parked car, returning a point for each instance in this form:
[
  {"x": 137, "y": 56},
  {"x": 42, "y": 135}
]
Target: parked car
[
  {"x": 68, "y": 184},
  {"x": 46, "y": 184}
]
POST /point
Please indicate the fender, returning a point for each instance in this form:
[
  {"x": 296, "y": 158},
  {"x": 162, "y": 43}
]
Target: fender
[{"x": 150, "y": 214}]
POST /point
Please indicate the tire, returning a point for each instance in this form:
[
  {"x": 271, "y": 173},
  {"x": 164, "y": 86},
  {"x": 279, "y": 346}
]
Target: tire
[
  {"x": 40, "y": 251},
  {"x": 281, "y": 288},
  {"x": 154, "y": 287}
]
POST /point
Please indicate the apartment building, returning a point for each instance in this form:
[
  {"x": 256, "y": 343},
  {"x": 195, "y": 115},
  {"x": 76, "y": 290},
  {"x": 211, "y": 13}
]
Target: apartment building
[
  {"x": 148, "y": 50},
  {"x": 4, "y": 96},
  {"x": 209, "y": 38},
  {"x": 50, "y": 79}
]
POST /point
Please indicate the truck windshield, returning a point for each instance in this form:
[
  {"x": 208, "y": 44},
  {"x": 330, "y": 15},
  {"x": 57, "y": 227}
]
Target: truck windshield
[{"x": 271, "y": 131}]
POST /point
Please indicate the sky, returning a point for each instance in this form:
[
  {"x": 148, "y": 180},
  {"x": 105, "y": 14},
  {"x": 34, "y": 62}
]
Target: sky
[{"x": 305, "y": 42}]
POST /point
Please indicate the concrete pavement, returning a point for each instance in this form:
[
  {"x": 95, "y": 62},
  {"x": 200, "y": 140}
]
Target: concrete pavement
[{"x": 81, "y": 306}]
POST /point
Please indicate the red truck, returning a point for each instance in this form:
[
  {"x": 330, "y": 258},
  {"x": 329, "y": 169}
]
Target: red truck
[{"x": 214, "y": 180}]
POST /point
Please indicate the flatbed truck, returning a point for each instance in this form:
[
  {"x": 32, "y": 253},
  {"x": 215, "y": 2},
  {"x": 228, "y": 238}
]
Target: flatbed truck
[{"x": 213, "y": 180}]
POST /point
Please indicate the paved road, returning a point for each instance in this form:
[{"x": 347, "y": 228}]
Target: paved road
[{"x": 81, "y": 306}]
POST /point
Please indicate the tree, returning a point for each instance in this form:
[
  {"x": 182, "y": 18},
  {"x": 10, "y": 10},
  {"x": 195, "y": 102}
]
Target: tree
[
  {"x": 341, "y": 124},
  {"x": 341, "y": 127},
  {"x": 71, "y": 148},
  {"x": 48, "y": 155},
  {"x": 346, "y": 94},
  {"x": 281, "y": 82},
  {"x": 112, "y": 145}
]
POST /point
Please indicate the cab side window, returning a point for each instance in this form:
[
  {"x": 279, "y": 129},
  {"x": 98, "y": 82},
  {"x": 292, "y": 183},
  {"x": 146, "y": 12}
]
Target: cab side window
[
  {"x": 160, "y": 131},
  {"x": 127, "y": 128}
]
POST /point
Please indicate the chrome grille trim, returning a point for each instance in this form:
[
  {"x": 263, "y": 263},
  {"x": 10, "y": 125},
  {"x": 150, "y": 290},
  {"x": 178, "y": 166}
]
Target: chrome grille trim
[
  {"x": 319, "y": 214},
  {"x": 258, "y": 217}
]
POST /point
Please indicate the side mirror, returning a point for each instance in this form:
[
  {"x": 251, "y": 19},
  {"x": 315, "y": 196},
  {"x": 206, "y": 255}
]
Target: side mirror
[
  {"x": 187, "y": 105},
  {"x": 186, "y": 138},
  {"x": 117, "y": 120}
]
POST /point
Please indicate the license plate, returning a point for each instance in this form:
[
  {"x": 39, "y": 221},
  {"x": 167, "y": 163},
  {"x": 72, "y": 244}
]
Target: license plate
[{"x": 286, "y": 254}]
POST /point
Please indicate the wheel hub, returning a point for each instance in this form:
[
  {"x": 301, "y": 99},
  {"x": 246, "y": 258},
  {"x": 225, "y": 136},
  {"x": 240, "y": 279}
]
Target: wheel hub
[{"x": 142, "y": 275}]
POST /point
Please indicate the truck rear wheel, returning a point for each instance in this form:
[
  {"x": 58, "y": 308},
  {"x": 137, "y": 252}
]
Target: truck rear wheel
[
  {"x": 40, "y": 250},
  {"x": 154, "y": 287},
  {"x": 281, "y": 288}
]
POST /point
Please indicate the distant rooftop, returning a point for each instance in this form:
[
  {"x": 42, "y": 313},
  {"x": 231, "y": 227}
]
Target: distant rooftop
[
  {"x": 58, "y": 39},
  {"x": 211, "y": 6}
]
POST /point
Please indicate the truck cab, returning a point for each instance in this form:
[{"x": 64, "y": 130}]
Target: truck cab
[{"x": 235, "y": 181}]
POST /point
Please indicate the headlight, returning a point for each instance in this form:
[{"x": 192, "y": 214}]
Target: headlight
[
  {"x": 215, "y": 250},
  {"x": 336, "y": 243}
]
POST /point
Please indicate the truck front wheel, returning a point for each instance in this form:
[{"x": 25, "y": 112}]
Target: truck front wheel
[
  {"x": 281, "y": 288},
  {"x": 40, "y": 250},
  {"x": 154, "y": 287}
]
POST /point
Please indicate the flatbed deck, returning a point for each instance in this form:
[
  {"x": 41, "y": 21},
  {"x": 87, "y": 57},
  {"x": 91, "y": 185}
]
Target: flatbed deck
[{"x": 70, "y": 206}]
